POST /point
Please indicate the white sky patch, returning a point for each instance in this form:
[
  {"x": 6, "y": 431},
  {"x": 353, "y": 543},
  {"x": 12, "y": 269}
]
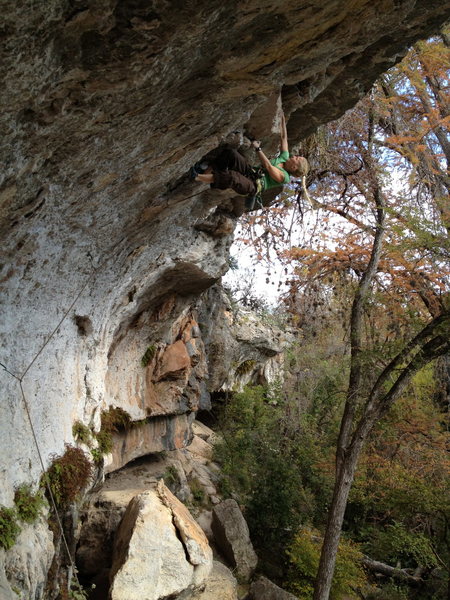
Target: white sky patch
[
  {"x": 268, "y": 281},
  {"x": 264, "y": 280}
]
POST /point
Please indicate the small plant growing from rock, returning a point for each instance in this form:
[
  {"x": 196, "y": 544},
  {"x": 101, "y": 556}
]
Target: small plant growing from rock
[
  {"x": 105, "y": 442},
  {"x": 245, "y": 367},
  {"x": 81, "y": 433},
  {"x": 171, "y": 476},
  {"x": 96, "y": 455},
  {"x": 148, "y": 355},
  {"x": 68, "y": 475},
  {"x": 77, "y": 592},
  {"x": 198, "y": 493},
  {"x": 114, "y": 419},
  {"x": 28, "y": 505},
  {"x": 9, "y": 528}
]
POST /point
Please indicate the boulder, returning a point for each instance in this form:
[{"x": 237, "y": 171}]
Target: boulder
[
  {"x": 203, "y": 431},
  {"x": 204, "y": 519},
  {"x": 232, "y": 537},
  {"x": 264, "y": 589},
  {"x": 159, "y": 549},
  {"x": 201, "y": 448},
  {"x": 220, "y": 585},
  {"x": 192, "y": 536}
]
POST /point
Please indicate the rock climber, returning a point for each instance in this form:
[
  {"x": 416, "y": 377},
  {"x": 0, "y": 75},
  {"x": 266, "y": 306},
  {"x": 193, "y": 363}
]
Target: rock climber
[{"x": 231, "y": 170}]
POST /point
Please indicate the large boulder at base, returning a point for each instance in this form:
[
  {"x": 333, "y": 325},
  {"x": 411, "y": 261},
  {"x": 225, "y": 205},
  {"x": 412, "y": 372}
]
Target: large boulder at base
[
  {"x": 264, "y": 589},
  {"x": 232, "y": 537},
  {"x": 220, "y": 585},
  {"x": 194, "y": 540},
  {"x": 159, "y": 550}
]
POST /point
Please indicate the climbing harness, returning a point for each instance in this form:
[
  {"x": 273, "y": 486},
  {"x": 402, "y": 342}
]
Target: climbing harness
[{"x": 254, "y": 201}]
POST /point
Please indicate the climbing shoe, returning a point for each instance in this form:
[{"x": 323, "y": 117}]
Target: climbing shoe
[{"x": 198, "y": 169}]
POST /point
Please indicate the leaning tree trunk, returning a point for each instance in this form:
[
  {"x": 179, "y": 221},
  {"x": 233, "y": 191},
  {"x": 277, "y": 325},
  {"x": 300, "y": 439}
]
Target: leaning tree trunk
[{"x": 342, "y": 485}]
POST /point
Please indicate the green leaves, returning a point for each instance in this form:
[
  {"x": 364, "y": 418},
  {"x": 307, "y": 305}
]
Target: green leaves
[
  {"x": 9, "y": 528},
  {"x": 397, "y": 545},
  {"x": 304, "y": 556},
  {"x": 28, "y": 505}
]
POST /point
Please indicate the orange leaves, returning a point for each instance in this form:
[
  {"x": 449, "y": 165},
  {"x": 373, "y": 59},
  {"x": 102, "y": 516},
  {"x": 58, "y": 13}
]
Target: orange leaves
[{"x": 402, "y": 139}]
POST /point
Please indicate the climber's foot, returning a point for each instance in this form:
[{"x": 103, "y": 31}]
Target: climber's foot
[{"x": 198, "y": 169}]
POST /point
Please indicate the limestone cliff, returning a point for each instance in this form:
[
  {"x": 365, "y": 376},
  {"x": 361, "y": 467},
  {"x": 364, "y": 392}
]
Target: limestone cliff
[{"x": 107, "y": 248}]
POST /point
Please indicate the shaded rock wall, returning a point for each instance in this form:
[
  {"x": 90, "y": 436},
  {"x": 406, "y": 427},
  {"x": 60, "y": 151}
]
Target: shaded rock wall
[{"x": 105, "y": 104}]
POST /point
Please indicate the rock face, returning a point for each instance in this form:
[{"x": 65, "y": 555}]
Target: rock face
[
  {"x": 107, "y": 248},
  {"x": 28, "y": 561},
  {"x": 232, "y": 537},
  {"x": 105, "y": 105},
  {"x": 240, "y": 347}
]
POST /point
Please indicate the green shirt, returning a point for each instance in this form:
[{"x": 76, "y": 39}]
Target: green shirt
[{"x": 267, "y": 181}]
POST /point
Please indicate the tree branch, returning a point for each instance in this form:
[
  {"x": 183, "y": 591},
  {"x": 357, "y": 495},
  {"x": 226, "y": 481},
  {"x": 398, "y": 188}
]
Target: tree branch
[
  {"x": 356, "y": 328},
  {"x": 400, "y": 574}
]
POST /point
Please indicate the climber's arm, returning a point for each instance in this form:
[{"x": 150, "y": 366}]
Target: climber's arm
[
  {"x": 273, "y": 171},
  {"x": 283, "y": 135}
]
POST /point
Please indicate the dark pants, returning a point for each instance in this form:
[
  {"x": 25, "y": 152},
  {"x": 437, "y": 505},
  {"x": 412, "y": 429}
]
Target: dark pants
[{"x": 231, "y": 170}]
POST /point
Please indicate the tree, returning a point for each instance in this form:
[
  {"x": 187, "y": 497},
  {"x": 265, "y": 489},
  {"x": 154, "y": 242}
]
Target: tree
[
  {"x": 388, "y": 250},
  {"x": 384, "y": 278},
  {"x": 381, "y": 247},
  {"x": 430, "y": 342}
]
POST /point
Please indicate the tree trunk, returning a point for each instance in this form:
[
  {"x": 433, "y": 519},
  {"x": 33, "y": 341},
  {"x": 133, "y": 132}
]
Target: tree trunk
[{"x": 343, "y": 482}]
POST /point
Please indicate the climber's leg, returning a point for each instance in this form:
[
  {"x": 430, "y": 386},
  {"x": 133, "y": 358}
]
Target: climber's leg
[
  {"x": 241, "y": 184},
  {"x": 231, "y": 160}
]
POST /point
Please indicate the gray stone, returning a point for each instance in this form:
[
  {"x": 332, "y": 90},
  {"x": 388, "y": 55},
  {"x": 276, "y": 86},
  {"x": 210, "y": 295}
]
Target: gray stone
[
  {"x": 240, "y": 347},
  {"x": 264, "y": 589},
  {"x": 6, "y": 592},
  {"x": 232, "y": 537}
]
